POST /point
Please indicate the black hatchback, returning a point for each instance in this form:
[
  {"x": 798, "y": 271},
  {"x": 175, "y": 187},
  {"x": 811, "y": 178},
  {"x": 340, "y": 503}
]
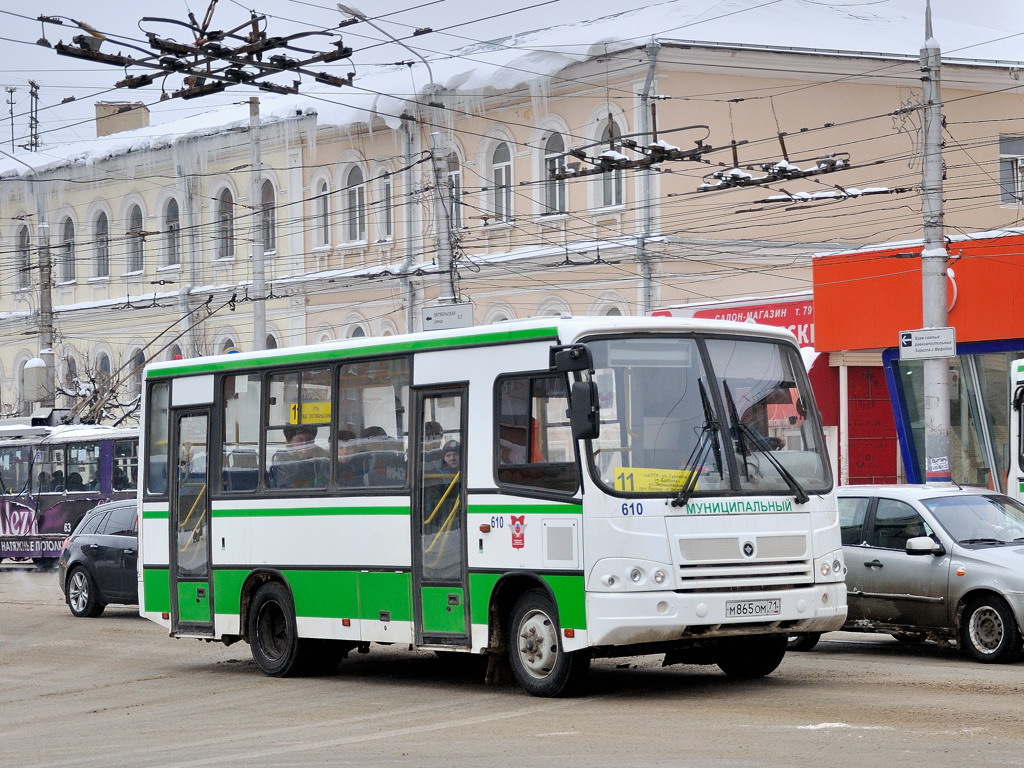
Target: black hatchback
[{"x": 98, "y": 563}]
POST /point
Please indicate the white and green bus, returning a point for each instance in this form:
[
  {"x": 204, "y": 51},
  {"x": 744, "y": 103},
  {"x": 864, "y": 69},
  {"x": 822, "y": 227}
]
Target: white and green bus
[{"x": 543, "y": 492}]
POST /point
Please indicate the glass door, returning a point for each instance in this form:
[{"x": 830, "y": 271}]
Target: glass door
[
  {"x": 439, "y": 519},
  {"x": 192, "y": 597}
]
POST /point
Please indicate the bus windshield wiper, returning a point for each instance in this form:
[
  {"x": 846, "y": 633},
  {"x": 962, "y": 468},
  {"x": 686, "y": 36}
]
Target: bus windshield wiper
[
  {"x": 744, "y": 433},
  {"x": 708, "y": 440}
]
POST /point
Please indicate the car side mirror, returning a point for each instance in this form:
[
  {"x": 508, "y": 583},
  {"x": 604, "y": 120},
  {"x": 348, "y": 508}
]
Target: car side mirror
[{"x": 925, "y": 545}]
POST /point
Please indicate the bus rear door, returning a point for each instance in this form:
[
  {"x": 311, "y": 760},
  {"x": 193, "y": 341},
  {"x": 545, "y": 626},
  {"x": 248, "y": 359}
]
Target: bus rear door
[
  {"x": 192, "y": 583},
  {"x": 439, "y": 519}
]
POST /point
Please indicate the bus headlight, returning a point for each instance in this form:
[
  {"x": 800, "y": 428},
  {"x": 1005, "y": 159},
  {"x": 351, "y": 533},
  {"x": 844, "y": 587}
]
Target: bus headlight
[
  {"x": 636, "y": 575},
  {"x": 826, "y": 569},
  {"x": 660, "y": 576},
  {"x": 837, "y": 565}
]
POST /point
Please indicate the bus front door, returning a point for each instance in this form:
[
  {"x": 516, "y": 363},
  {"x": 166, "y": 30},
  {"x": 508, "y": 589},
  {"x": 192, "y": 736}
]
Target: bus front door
[
  {"x": 192, "y": 583},
  {"x": 439, "y": 519}
]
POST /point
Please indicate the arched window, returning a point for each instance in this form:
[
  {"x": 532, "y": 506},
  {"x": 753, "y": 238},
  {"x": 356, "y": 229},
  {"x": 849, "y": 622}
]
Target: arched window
[
  {"x": 554, "y": 189},
  {"x": 357, "y": 333},
  {"x": 387, "y": 219},
  {"x": 613, "y": 312},
  {"x": 172, "y": 233},
  {"x": 101, "y": 268},
  {"x": 271, "y": 342},
  {"x": 268, "y": 216},
  {"x": 71, "y": 385},
  {"x": 66, "y": 261},
  {"x": 24, "y": 258},
  {"x": 175, "y": 353},
  {"x": 501, "y": 175},
  {"x": 455, "y": 190},
  {"x": 103, "y": 371},
  {"x": 611, "y": 182},
  {"x": 355, "y": 205},
  {"x": 135, "y": 366},
  {"x": 228, "y": 345},
  {"x": 136, "y": 240},
  {"x": 323, "y": 214},
  {"x": 225, "y": 233}
]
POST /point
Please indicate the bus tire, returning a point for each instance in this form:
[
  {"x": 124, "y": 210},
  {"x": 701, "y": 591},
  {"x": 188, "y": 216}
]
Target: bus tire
[
  {"x": 803, "y": 642},
  {"x": 989, "y": 632},
  {"x": 538, "y": 662},
  {"x": 273, "y": 637},
  {"x": 751, "y": 657},
  {"x": 82, "y": 596}
]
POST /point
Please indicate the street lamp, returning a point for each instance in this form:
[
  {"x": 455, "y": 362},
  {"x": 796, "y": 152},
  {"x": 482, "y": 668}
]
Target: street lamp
[{"x": 442, "y": 216}]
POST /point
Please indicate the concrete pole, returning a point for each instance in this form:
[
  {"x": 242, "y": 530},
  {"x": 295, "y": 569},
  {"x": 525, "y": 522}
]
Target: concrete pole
[
  {"x": 259, "y": 286},
  {"x": 935, "y": 314},
  {"x": 442, "y": 221},
  {"x": 46, "y": 307}
]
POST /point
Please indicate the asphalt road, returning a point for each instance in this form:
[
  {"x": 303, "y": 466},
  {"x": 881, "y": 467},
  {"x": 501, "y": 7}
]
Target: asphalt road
[{"x": 116, "y": 691}]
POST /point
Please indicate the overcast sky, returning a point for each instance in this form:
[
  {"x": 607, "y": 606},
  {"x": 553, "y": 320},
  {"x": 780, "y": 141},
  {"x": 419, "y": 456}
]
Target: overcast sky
[{"x": 456, "y": 23}]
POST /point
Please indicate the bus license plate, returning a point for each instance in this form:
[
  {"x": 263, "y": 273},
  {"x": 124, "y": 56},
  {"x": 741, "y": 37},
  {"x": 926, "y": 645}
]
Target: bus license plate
[{"x": 736, "y": 609}]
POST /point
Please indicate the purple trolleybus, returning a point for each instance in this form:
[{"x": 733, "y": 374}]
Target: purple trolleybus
[{"x": 51, "y": 476}]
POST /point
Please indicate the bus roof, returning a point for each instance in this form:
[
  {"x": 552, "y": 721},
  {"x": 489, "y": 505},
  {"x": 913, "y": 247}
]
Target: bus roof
[
  {"x": 13, "y": 431},
  {"x": 563, "y": 330}
]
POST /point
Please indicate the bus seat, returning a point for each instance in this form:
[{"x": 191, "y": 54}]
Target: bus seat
[
  {"x": 385, "y": 469},
  {"x": 301, "y": 473},
  {"x": 240, "y": 478}
]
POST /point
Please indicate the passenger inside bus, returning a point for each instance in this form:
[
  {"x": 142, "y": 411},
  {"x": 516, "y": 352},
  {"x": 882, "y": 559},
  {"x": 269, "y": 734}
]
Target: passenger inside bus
[
  {"x": 302, "y": 463},
  {"x": 75, "y": 482},
  {"x": 351, "y": 472}
]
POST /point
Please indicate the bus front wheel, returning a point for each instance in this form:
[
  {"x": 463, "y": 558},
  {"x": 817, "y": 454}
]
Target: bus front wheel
[
  {"x": 272, "y": 633},
  {"x": 540, "y": 665},
  {"x": 752, "y": 656}
]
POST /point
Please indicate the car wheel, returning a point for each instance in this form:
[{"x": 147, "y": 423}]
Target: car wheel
[
  {"x": 803, "y": 642},
  {"x": 82, "y": 595},
  {"x": 989, "y": 632},
  {"x": 751, "y": 657},
  {"x": 539, "y": 664}
]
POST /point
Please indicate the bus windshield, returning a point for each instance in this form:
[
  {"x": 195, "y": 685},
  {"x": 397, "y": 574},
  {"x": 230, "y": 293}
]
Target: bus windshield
[{"x": 694, "y": 415}]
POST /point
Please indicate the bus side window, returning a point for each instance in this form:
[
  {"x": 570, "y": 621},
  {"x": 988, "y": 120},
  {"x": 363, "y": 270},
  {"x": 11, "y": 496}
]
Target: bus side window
[{"x": 534, "y": 439}]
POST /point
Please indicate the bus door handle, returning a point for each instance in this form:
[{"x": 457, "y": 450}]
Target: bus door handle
[{"x": 876, "y": 563}]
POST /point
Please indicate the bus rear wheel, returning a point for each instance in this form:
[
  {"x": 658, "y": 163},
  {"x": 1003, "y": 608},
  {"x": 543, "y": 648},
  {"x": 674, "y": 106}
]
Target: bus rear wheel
[
  {"x": 273, "y": 636},
  {"x": 540, "y": 665},
  {"x": 750, "y": 657}
]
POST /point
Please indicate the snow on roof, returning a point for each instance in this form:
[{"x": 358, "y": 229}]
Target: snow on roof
[{"x": 530, "y": 59}]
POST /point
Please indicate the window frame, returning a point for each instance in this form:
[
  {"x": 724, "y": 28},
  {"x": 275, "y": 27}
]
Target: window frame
[{"x": 224, "y": 234}]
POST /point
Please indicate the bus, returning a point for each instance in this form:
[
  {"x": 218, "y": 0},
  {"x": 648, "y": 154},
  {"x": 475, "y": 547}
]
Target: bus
[
  {"x": 50, "y": 476},
  {"x": 544, "y": 492}
]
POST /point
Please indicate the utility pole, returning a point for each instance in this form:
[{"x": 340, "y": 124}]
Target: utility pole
[
  {"x": 442, "y": 222},
  {"x": 10, "y": 103},
  {"x": 33, "y": 116},
  {"x": 46, "y": 308},
  {"x": 259, "y": 302},
  {"x": 935, "y": 314}
]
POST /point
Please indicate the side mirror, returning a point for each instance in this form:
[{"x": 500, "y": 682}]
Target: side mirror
[
  {"x": 925, "y": 545},
  {"x": 583, "y": 411}
]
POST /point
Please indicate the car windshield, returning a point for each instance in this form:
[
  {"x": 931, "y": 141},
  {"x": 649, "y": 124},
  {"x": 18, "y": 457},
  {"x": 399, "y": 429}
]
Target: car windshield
[
  {"x": 980, "y": 519},
  {"x": 697, "y": 415}
]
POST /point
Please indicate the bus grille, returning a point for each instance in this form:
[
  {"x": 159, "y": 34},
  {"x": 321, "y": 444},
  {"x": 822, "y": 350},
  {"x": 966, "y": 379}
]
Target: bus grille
[{"x": 744, "y": 564}]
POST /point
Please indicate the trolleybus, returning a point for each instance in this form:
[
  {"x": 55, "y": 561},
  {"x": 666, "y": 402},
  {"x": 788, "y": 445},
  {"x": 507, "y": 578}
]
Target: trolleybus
[
  {"x": 544, "y": 492},
  {"x": 51, "y": 476}
]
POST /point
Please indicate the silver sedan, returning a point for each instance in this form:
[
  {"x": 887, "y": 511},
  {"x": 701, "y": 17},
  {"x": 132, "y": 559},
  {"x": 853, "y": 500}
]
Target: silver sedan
[{"x": 934, "y": 563}]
